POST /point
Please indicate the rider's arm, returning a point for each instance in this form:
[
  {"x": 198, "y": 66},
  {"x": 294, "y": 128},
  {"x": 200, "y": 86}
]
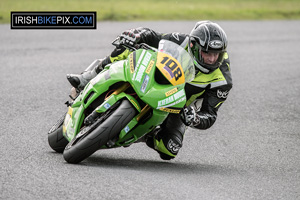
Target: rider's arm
[
  {"x": 141, "y": 35},
  {"x": 149, "y": 36},
  {"x": 144, "y": 35},
  {"x": 152, "y": 37},
  {"x": 213, "y": 91},
  {"x": 207, "y": 115}
]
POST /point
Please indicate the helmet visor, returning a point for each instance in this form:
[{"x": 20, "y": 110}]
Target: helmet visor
[{"x": 205, "y": 60}]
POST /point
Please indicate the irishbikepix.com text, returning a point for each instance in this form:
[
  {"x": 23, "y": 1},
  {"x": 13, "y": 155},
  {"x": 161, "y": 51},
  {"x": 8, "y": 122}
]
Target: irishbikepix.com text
[{"x": 53, "y": 20}]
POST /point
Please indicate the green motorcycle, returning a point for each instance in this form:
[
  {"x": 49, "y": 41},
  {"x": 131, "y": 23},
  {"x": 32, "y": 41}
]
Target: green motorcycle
[{"x": 125, "y": 102}]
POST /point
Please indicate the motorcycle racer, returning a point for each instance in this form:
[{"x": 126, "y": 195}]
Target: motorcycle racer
[{"x": 207, "y": 44}]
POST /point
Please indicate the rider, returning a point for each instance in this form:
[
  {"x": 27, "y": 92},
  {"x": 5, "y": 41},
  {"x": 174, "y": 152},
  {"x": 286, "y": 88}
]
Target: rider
[{"x": 207, "y": 45}]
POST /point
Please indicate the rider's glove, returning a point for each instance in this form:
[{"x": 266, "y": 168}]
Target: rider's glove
[
  {"x": 189, "y": 116},
  {"x": 130, "y": 37}
]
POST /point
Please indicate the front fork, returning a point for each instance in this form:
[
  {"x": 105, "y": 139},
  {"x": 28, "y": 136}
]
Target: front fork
[
  {"x": 124, "y": 87},
  {"x": 91, "y": 118},
  {"x": 121, "y": 89}
]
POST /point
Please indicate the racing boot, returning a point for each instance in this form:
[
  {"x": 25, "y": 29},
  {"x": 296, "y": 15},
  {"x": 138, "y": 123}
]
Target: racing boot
[
  {"x": 168, "y": 140},
  {"x": 79, "y": 81}
]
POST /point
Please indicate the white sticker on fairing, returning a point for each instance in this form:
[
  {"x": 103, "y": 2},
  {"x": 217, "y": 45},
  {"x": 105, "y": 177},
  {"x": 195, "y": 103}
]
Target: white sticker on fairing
[
  {"x": 172, "y": 100},
  {"x": 126, "y": 129},
  {"x": 140, "y": 69},
  {"x": 140, "y": 73},
  {"x": 106, "y": 106},
  {"x": 146, "y": 59},
  {"x": 145, "y": 83}
]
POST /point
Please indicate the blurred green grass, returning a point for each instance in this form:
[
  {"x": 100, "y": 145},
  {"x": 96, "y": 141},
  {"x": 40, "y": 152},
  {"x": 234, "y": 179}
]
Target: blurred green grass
[{"x": 126, "y": 10}]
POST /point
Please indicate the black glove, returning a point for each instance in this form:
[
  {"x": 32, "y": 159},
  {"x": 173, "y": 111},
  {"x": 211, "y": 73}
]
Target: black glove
[
  {"x": 189, "y": 116},
  {"x": 130, "y": 37}
]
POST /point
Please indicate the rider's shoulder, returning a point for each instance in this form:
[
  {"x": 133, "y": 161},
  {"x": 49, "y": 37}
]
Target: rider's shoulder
[
  {"x": 226, "y": 71},
  {"x": 175, "y": 37}
]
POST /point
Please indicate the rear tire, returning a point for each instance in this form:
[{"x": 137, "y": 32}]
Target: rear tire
[{"x": 91, "y": 138}]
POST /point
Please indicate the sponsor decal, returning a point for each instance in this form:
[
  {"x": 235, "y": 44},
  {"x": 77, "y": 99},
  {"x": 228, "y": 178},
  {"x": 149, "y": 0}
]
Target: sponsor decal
[
  {"x": 171, "y": 110},
  {"x": 107, "y": 106},
  {"x": 148, "y": 70},
  {"x": 171, "y": 92},
  {"x": 147, "y": 59},
  {"x": 142, "y": 67},
  {"x": 166, "y": 101},
  {"x": 131, "y": 65},
  {"x": 145, "y": 83},
  {"x": 172, "y": 100},
  {"x": 126, "y": 129},
  {"x": 140, "y": 73},
  {"x": 138, "y": 64},
  {"x": 173, "y": 147},
  {"x": 179, "y": 94},
  {"x": 222, "y": 94},
  {"x": 215, "y": 44}
]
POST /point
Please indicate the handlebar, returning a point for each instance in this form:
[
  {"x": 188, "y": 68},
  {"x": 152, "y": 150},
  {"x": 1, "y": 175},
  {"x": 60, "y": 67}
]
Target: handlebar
[{"x": 118, "y": 43}]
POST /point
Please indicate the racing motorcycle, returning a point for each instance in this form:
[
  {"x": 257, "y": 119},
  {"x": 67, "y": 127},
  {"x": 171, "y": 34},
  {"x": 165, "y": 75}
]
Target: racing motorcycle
[{"x": 125, "y": 102}]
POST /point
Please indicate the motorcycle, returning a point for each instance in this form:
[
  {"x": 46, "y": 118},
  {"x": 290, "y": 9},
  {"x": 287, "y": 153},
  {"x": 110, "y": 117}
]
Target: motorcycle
[{"x": 125, "y": 102}]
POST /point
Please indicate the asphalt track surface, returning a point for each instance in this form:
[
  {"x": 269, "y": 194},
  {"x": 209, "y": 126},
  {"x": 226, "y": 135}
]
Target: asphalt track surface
[{"x": 252, "y": 151}]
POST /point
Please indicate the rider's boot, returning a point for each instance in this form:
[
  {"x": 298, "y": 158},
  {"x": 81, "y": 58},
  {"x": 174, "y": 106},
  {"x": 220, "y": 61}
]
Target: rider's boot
[
  {"x": 79, "y": 81},
  {"x": 168, "y": 140}
]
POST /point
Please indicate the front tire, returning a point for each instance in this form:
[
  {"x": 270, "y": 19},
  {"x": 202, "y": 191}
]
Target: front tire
[
  {"x": 56, "y": 139},
  {"x": 91, "y": 138}
]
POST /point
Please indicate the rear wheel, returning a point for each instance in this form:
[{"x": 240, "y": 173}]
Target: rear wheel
[
  {"x": 91, "y": 138},
  {"x": 56, "y": 139}
]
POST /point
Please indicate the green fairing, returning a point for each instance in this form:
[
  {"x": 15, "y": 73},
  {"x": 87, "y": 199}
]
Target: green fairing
[
  {"x": 98, "y": 85},
  {"x": 138, "y": 70}
]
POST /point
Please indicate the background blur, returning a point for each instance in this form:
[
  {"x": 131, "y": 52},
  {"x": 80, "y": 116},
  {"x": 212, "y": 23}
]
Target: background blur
[
  {"x": 251, "y": 153},
  {"x": 126, "y": 10}
]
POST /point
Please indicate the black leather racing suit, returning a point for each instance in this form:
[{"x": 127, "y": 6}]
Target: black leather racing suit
[{"x": 212, "y": 88}]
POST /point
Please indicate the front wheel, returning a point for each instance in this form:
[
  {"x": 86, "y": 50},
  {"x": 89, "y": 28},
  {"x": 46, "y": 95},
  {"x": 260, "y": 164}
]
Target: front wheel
[
  {"x": 56, "y": 139},
  {"x": 91, "y": 138}
]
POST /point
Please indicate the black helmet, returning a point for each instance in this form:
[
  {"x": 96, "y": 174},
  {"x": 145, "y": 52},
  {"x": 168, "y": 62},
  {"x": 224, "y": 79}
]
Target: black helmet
[{"x": 208, "y": 37}]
